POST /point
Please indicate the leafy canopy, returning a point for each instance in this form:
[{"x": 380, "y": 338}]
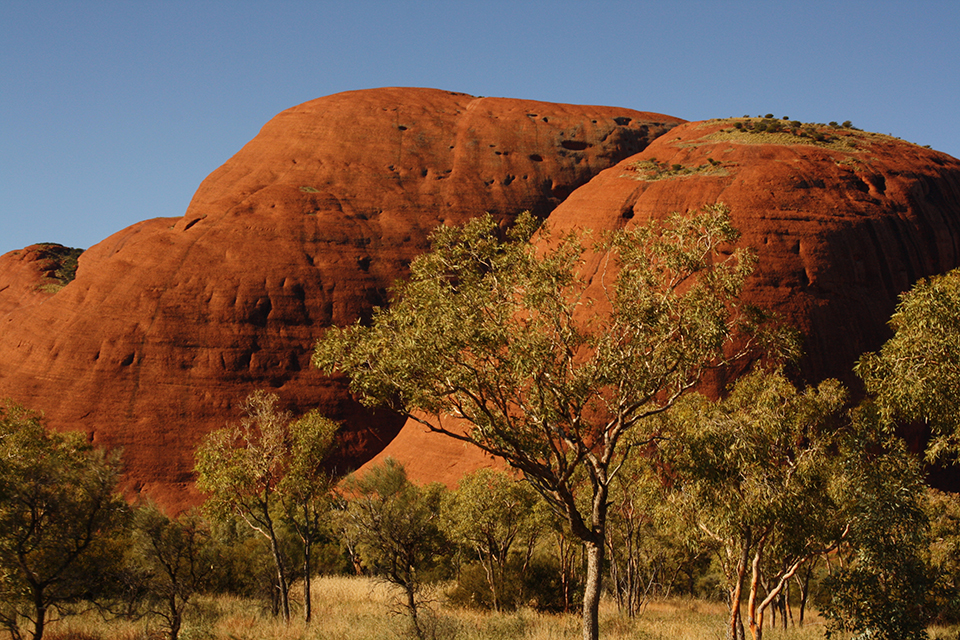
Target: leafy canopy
[
  {"x": 916, "y": 374},
  {"x": 548, "y": 367},
  {"x": 59, "y": 517}
]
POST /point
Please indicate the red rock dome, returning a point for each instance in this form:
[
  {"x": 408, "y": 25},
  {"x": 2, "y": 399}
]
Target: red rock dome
[
  {"x": 171, "y": 322},
  {"x": 841, "y": 226}
]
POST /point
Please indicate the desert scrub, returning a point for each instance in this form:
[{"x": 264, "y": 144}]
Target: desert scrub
[
  {"x": 652, "y": 170},
  {"x": 771, "y": 131},
  {"x": 58, "y": 264},
  {"x": 838, "y": 137}
]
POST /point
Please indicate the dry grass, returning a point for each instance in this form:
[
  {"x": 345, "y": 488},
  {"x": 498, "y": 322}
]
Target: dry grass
[
  {"x": 652, "y": 171},
  {"x": 348, "y": 608}
]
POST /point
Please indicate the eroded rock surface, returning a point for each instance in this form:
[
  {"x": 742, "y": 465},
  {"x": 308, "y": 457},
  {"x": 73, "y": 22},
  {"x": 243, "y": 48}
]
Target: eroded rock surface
[
  {"x": 841, "y": 228},
  {"x": 171, "y": 322}
]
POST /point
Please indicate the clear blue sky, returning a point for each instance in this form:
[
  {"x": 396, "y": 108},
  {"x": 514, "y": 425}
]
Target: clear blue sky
[{"x": 114, "y": 112}]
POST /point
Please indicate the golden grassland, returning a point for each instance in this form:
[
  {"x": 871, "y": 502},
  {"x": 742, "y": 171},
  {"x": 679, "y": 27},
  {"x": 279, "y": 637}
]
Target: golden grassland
[{"x": 351, "y": 608}]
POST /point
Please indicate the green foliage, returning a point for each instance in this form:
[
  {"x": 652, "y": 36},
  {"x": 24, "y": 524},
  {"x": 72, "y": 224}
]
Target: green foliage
[
  {"x": 652, "y": 170},
  {"x": 885, "y": 589},
  {"x": 58, "y": 520},
  {"x": 649, "y": 553},
  {"x": 498, "y": 334},
  {"x": 267, "y": 470},
  {"x": 916, "y": 374},
  {"x": 396, "y": 526},
  {"x": 767, "y": 129},
  {"x": 492, "y": 332},
  {"x": 173, "y": 559},
  {"x": 943, "y": 552},
  {"x": 537, "y": 584},
  {"x": 59, "y": 264},
  {"x": 494, "y": 514},
  {"x": 245, "y": 566},
  {"x": 755, "y": 475}
]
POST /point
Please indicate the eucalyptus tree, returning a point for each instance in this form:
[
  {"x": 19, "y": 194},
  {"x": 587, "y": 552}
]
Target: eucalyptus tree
[
  {"x": 59, "y": 518},
  {"x": 396, "y": 526},
  {"x": 493, "y": 514},
  {"x": 306, "y": 487},
  {"x": 915, "y": 376},
  {"x": 776, "y": 477},
  {"x": 885, "y": 586},
  {"x": 756, "y": 475},
  {"x": 498, "y": 333},
  {"x": 648, "y": 553},
  {"x": 267, "y": 470}
]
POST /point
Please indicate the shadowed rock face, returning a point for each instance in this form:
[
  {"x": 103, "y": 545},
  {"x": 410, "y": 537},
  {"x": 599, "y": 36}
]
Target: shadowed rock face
[
  {"x": 840, "y": 229},
  {"x": 172, "y": 321}
]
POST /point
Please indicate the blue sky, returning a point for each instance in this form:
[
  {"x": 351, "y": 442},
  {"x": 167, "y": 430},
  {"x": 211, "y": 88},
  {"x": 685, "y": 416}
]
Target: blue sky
[{"x": 114, "y": 112}]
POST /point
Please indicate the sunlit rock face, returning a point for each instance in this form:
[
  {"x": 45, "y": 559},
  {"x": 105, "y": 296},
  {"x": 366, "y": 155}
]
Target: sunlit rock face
[
  {"x": 171, "y": 322},
  {"x": 840, "y": 227}
]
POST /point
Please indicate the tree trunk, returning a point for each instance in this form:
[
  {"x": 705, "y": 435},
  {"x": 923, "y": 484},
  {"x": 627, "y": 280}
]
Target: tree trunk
[
  {"x": 489, "y": 564},
  {"x": 412, "y": 608},
  {"x": 755, "y": 613},
  {"x": 804, "y": 584},
  {"x": 787, "y": 609},
  {"x": 282, "y": 585},
  {"x": 591, "y": 590},
  {"x": 41, "y": 613},
  {"x": 176, "y": 621},
  {"x": 736, "y": 623},
  {"x": 307, "y": 602},
  {"x": 565, "y": 577}
]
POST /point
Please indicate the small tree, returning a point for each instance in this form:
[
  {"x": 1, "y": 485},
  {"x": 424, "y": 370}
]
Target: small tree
[
  {"x": 884, "y": 587},
  {"x": 498, "y": 334},
  {"x": 648, "y": 552},
  {"x": 397, "y": 526},
  {"x": 493, "y": 513},
  {"x": 753, "y": 473},
  {"x": 174, "y": 559},
  {"x": 268, "y": 469},
  {"x": 58, "y": 512},
  {"x": 305, "y": 489}
]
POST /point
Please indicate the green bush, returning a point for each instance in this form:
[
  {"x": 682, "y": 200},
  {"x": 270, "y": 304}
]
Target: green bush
[{"x": 538, "y": 585}]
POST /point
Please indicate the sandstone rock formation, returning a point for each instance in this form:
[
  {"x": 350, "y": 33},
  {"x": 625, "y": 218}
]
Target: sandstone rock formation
[
  {"x": 171, "y": 322},
  {"x": 33, "y": 274},
  {"x": 841, "y": 227}
]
